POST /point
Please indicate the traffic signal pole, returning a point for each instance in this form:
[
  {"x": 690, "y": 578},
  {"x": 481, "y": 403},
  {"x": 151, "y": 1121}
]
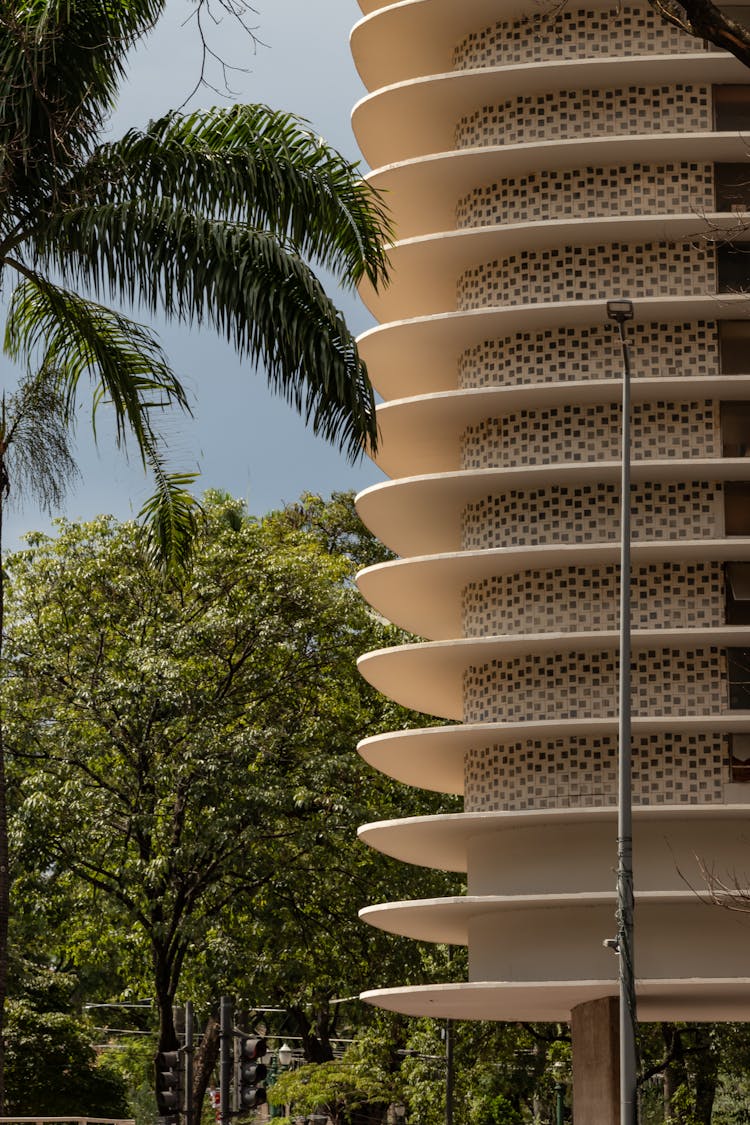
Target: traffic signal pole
[{"x": 225, "y": 1059}]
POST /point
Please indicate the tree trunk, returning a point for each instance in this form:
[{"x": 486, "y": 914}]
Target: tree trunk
[
  {"x": 4, "y": 869},
  {"x": 206, "y": 1058},
  {"x": 675, "y": 1074},
  {"x": 316, "y": 1045}
]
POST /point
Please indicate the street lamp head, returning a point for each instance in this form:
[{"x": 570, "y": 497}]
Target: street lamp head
[
  {"x": 620, "y": 310},
  {"x": 285, "y": 1054}
]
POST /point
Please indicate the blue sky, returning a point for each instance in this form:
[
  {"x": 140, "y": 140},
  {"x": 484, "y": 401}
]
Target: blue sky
[{"x": 241, "y": 438}]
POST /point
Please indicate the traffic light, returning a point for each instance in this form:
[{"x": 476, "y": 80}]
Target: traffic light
[
  {"x": 251, "y": 1071},
  {"x": 169, "y": 1084}
]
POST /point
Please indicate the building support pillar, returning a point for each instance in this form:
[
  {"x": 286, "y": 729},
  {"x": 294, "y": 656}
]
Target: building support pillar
[{"x": 594, "y": 1028}]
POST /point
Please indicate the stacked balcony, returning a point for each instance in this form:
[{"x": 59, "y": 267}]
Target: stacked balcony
[{"x": 536, "y": 166}]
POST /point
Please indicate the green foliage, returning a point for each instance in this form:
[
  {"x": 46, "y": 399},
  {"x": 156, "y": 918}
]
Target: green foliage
[
  {"x": 51, "y": 1067},
  {"x": 214, "y": 217},
  {"x": 335, "y": 1089},
  {"x": 186, "y": 789}
]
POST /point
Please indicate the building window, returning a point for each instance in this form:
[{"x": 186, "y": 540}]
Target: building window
[
  {"x": 731, "y": 109},
  {"x": 735, "y": 429},
  {"x": 733, "y": 268},
  {"x": 737, "y": 585},
  {"x": 732, "y": 185},
  {"x": 739, "y": 757},
  {"x": 734, "y": 347},
  {"x": 738, "y": 671},
  {"x": 737, "y": 507}
]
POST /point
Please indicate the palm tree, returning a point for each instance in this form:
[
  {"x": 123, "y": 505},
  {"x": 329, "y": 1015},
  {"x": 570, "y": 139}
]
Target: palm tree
[{"x": 210, "y": 217}]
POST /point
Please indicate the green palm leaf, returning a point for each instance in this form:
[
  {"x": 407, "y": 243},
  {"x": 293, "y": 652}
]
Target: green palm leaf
[
  {"x": 76, "y": 337},
  {"x": 249, "y": 285},
  {"x": 71, "y": 338},
  {"x": 251, "y": 165}
]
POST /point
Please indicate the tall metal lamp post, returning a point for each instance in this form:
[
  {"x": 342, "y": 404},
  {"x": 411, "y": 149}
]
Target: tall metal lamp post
[{"x": 621, "y": 311}]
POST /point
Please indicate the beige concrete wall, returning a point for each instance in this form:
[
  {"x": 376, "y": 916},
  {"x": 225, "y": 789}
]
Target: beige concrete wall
[
  {"x": 570, "y": 33},
  {"x": 669, "y": 854},
  {"x": 565, "y": 942},
  {"x": 566, "y": 353},
  {"x": 581, "y": 772},
  {"x": 583, "y": 598},
  {"x": 586, "y": 113}
]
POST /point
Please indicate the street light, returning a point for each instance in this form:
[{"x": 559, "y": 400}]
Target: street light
[
  {"x": 621, "y": 311},
  {"x": 284, "y": 1055}
]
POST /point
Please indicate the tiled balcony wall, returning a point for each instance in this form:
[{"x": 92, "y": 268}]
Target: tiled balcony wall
[
  {"x": 654, "y": 269},
  {"x": 590, "y": 513},
  {"x": 562, "y": 354},
  {"x": 582, "y": 772},
  {"x": 569, "y": 34},
  {"x": 592, "y": 432},
  {"x": 638, "y": 189},
  {"x": 574, "y": 685},
  {"x": 564, "y": 114},
  {"x": 571, "y": 599}
]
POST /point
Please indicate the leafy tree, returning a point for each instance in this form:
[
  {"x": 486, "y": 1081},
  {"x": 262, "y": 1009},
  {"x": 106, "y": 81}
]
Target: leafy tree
[
  {"x": 209, "y": 217},
  {"x": 184, "y": 743},
  {"x": 51, "y": 1065},
  {"x": 335, "y": 1089}
]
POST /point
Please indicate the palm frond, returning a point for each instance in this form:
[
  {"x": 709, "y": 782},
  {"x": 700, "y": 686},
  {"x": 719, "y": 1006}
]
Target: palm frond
[
  {"x": 36, "y": 436},
  {"x": 170, "y": 517},
  {"x": 59, "y": 69},
  {"x": 76, "y": 337},
  {"x": 248, "y": 164},
  {"x": 250, "y": 286}
]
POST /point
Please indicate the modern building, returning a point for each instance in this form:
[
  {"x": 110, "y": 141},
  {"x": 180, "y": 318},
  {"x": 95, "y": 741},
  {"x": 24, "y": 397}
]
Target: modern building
[{"x": 540, "y": 159}]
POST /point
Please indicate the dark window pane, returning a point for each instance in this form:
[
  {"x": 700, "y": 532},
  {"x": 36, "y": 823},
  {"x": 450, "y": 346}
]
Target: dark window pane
[
  {"x": 733, "y": 266},
  {"x": 735, "y": 429},
  {"x": 737, "y": 584},
  {"x": 732, "y": 187},
  {"x": 737, "y": 507},
  {"x": 734, "y": 347},
  {"x": 739, "y": 751},
  {"x": 731, "y": 108},
  {"x": 738, "y": 661}
]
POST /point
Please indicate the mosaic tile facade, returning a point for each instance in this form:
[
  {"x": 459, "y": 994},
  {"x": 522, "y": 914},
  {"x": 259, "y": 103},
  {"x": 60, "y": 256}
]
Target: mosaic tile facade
[
  {"x": 585, "y": 685},
  {"x": 587, "y": 113},
  {"x": 638, "y": 189},
  {"x": 590, "y": 513},
  {"x": 591, "y": 432},
  {"x": 653, "y": 269},
  {"x": 582, "y": 772},
  {"x": 562, "y": 354},
  {"x": 570, "y": 599},
  {"x": 568, "y": 34}
]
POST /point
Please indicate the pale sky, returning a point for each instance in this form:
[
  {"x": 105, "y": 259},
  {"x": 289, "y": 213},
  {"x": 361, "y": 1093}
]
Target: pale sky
[{"x": 241, "y": 438}]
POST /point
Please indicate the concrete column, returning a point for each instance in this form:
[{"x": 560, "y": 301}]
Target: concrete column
[{"x": 596, "y": 1071}]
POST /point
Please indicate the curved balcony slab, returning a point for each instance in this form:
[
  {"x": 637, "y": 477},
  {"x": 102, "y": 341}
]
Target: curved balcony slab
[
  {"x": 418, "y": 117},
  {"x": 422, "y": 515},
  {"x": 542, "y": 850},
  {"x": 700, "y": 999},
  {"x": 420, "y": 355},
  {"x": 422, "y": 193},
  {"x": 448, "y": 920},
  {"x": 428, "y": 677},
  {"x": 425, "y": 269},
  {"x": 423, "y": 594},
  {"x": 403, "y": 40},
  {"x": 433, "y": 757},
  {"x": 421, "y": 434}
]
